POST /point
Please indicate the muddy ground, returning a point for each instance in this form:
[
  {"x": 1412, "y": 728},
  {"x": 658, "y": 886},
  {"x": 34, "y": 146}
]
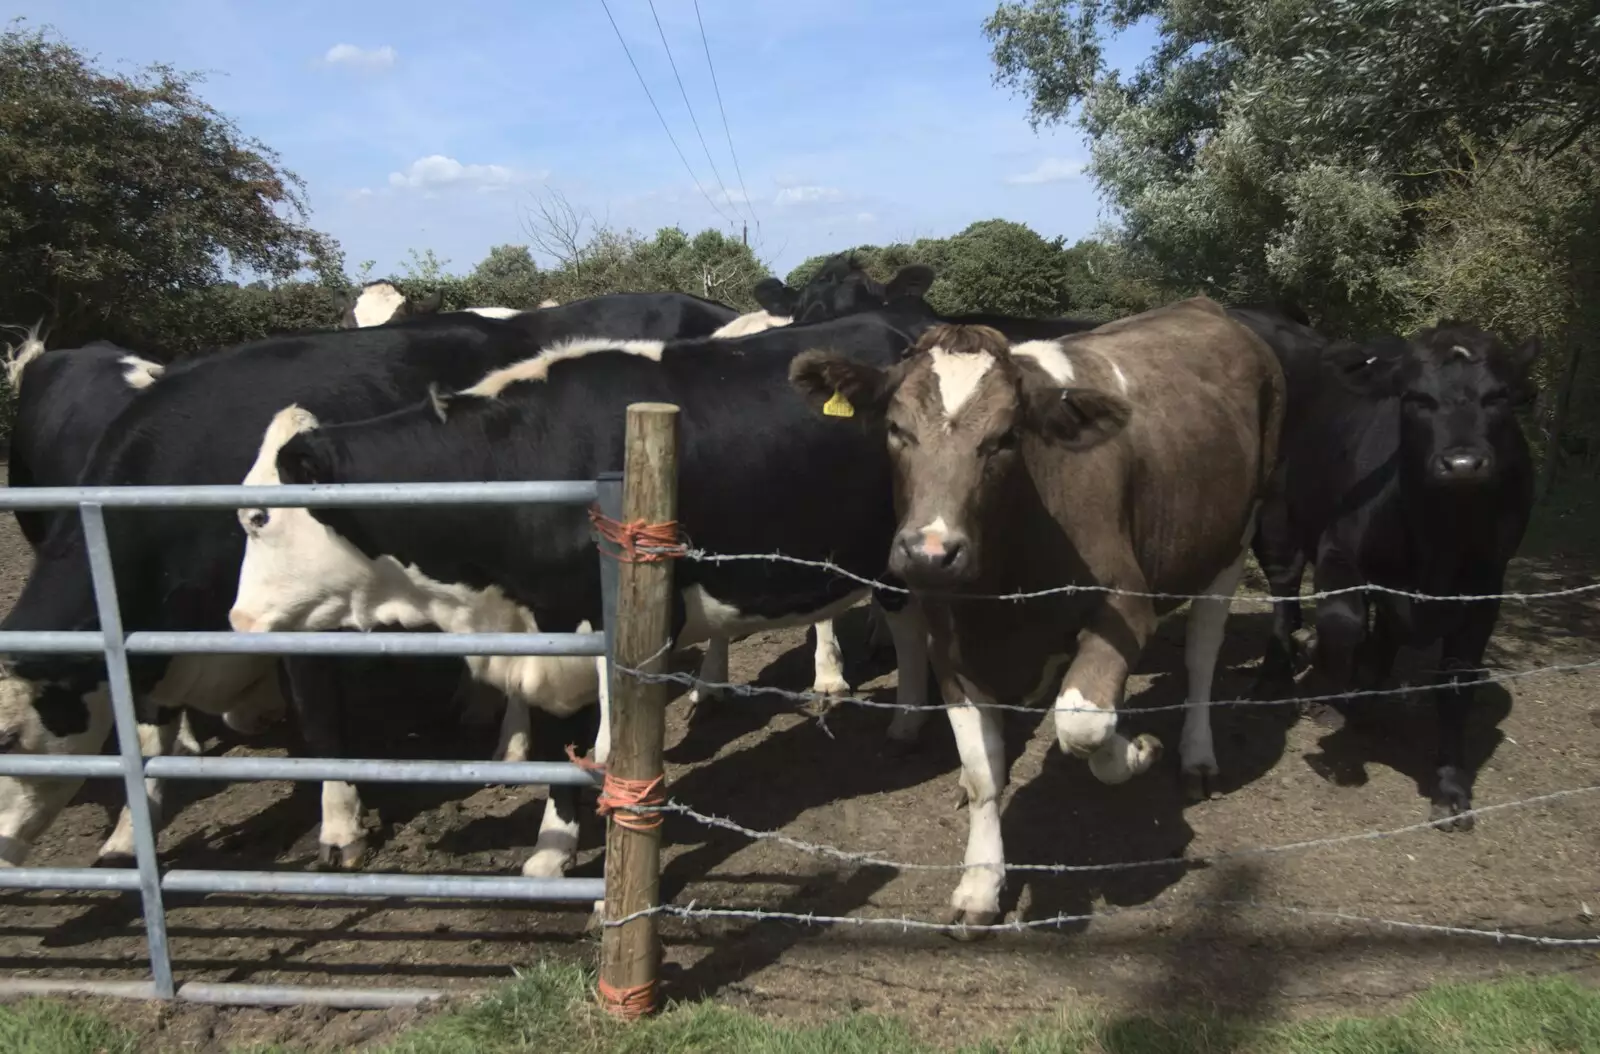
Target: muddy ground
[{"x": 765, "y": 764}]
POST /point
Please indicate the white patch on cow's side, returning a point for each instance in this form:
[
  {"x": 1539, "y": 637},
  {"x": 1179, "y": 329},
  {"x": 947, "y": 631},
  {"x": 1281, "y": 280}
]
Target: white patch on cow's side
[
  {"x": 1082, "y": 726},
  {"x": 754, "y": 322},
  {"x": 140, "y": 373},
  {"x": 18, "y": 357},
  {"x": 538, "y": 367},
  {"x": 1122, "y": 378},
  {"x": 549, "y": 303},
  {"x": 705, "y": 617},
  {"x": 377, "y": 304},
  {"x": 1051, "y": 357},
  {"x": 495, "y": 312},
  {"x": 958, "y": 376}
]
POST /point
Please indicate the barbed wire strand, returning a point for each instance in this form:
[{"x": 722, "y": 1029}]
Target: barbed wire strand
[
  {"x": 871, "y": 859},
  {"x": 1023, "y": 925},
  {"x": 707, "y": 557},
  {"x": 690, "y": 680}
]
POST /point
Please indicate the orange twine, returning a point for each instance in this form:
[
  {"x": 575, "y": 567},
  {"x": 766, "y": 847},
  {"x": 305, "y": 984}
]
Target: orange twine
[
  {"x": 630, "y": 1004},
  {"x": 620, "y": 798},
  {"x": 660, "y": 538}
]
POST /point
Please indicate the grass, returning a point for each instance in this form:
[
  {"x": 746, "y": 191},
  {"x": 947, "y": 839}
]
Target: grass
[{"x": 550, "y": 1011}]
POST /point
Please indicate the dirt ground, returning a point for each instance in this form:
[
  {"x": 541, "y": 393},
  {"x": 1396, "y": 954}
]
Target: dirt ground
[{"x": 768, "y": 766}]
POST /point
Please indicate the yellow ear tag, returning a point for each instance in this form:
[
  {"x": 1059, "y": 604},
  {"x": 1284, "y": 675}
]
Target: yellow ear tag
[{"x": 838, "y": 406}]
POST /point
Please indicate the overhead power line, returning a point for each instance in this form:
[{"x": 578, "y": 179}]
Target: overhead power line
[
  {"x": 664, "y": 127},
  {"x": 661, "y": 31},
  {"x": 749, "y": 205}
]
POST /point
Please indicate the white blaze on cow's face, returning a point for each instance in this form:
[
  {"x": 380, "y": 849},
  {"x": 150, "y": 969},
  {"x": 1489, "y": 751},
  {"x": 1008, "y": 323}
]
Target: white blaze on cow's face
[
  {"x": 377, "y": 304},
  {"x": 296, "y": 573}
]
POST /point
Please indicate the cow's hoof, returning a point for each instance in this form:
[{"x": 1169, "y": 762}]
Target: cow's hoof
[
  {"x": 961, "y": 919},
  {"x": 1448, "y": 816},
  {"x": 342, "y": 857},
  {"x": 1200, "y": 785},
  {"x": 115, "y": 860}
]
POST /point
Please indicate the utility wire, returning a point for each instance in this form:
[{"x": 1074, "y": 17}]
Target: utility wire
[
  {"x": 748, "y": 204},
  {"x": 670, "y": 137},
  {"x": 726, "y": 196}
]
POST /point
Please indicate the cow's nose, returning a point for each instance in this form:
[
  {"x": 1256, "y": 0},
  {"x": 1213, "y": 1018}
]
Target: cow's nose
[
  {"x": 241, "y": 621},
  {"x": 1463, "y": 465},
  {"x": 921, "y": 552}
]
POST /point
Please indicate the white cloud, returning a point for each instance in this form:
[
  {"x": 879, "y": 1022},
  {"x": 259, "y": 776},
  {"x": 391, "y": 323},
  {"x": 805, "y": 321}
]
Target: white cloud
[
  {"x": 436, "y": 172},
  {"x": 866, "y": 217},
  {"x": 807, "y": 195},
  {"x": 1050, "y": 170},
  {"x": 358, "y": 58},
  {"x": 731, "y": 197}
]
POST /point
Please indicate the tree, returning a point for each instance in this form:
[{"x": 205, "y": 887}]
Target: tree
[{"x": 123, "y": 188}]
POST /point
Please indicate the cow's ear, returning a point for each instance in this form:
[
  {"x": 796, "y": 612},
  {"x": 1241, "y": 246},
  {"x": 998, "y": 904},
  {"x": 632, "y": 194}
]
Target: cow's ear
[
  {"x": 1375, "y": 368},
  {"x": 1075, "y": 418},
  {"x": 298, "y": 463},
  {"x": 775, "y": 298},
  {"x": 836, "y": 386},
  {"x": 427, "y": 305},
  {"x": 911, "y": 280}
]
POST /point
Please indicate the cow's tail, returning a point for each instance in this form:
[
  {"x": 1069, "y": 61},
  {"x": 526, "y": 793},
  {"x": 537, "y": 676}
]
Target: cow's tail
[{"x": 18, "y": 356}]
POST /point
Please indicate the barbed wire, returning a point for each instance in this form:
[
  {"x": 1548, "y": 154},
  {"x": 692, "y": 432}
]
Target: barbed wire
[
  {"x": 905, "y": 923},
  {"x": 707, "y": 557},
  {"x": 869, "y": 859},
  {"x": 690, "y": 680}
]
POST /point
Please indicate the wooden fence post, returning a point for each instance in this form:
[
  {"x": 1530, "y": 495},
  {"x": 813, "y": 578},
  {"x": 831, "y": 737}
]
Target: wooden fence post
[{"x": 630, "y": 953}]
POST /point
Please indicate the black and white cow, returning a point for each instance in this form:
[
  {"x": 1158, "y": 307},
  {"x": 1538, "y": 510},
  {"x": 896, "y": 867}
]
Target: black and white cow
[
  {"x": 1409, "y": 469},
  {"x": 757, "y": 473}
]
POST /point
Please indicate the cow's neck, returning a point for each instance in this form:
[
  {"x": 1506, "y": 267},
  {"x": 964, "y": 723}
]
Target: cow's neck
[{"x": 1447, "y": 531}]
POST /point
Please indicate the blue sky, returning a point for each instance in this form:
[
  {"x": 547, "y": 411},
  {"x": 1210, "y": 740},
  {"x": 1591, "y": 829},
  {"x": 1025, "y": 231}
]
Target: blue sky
[{"x": 437, "y": 126}]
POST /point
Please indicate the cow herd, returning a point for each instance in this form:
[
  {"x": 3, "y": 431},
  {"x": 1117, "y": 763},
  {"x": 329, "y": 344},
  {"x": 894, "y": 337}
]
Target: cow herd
[{"x": 1103, "y": 472}]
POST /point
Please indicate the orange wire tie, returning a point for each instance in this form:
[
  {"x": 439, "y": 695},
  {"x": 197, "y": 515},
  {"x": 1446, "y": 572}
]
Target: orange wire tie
[
  {"x": 659, "y": 539},
  {"x": 630, "y": 1004},
  {"x": 620, "y": 798}
]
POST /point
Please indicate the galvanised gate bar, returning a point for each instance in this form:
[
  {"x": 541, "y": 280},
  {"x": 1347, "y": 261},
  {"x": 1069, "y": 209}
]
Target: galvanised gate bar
[{"x": 110, "y": 640}]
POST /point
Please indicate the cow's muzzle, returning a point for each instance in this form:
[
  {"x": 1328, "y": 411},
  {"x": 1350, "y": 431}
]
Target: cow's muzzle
[{"x": 1463, "y": 466}]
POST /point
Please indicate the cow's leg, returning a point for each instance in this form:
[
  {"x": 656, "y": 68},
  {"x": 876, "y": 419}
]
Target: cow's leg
[
  {"x": 910, "y": 631},
  {"x": 155, "y": 740},
  {"x": 1207, "y": 620},
  {"x": 713, "y": 671},
  {"x": 515, "y": 732},
  {"x": 976, "y": 900},
  {"x": 258, "y": 708},
  {"x": 1461, "y": 672},
  {"x": 1086, "y": 708},
  {"x": 318, "y": 699},
  {"x": 1284, "y": 565},
  {"x": 28, "y": 806},
  {"x": 829, "y": 663},
  {"x": 478, "y": 703},
  {"x": 880, "y": 634},
  {"x": 602, "y": 739},
  {"x": 1342, "y": 619}
]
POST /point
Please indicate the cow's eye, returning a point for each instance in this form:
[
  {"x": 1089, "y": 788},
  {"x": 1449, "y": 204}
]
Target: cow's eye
[
  {"x": 259, "y": 518},
  {"x": 1420, "y": 401},
  {"x": 898, "y": 434},
  {"x": 1006, "y": 440}
]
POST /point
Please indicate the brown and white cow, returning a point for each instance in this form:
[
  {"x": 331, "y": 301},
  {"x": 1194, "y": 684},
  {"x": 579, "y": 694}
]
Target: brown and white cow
[{"x": 1128, "y": 458}]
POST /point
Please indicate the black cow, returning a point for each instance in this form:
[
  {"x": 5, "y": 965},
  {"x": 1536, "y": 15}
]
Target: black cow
[
  {"x": 758, "y": 472},
  {"x": 1409, "y": 470},
  {"x": 178, "y": 570},
  {"x": 65, "y": 398}
]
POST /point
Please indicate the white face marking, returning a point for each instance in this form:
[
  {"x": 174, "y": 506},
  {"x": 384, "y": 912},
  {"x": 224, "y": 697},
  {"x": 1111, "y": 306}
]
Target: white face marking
[
  {"x": 934, "y": 535},
  {"x": 958, "y": 376},
  {"x": 377, "y": 304},
  {"x": 1122, "y": 380},
  {"x": 538, "y": 367},
  {"x": 140, "y": 373},
  {"x": 494, "y": 312},
  {"x": 1458, "y": 350},
  {"x": 754, "y": 322},
  {"x": 1051, "y": 357}
]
